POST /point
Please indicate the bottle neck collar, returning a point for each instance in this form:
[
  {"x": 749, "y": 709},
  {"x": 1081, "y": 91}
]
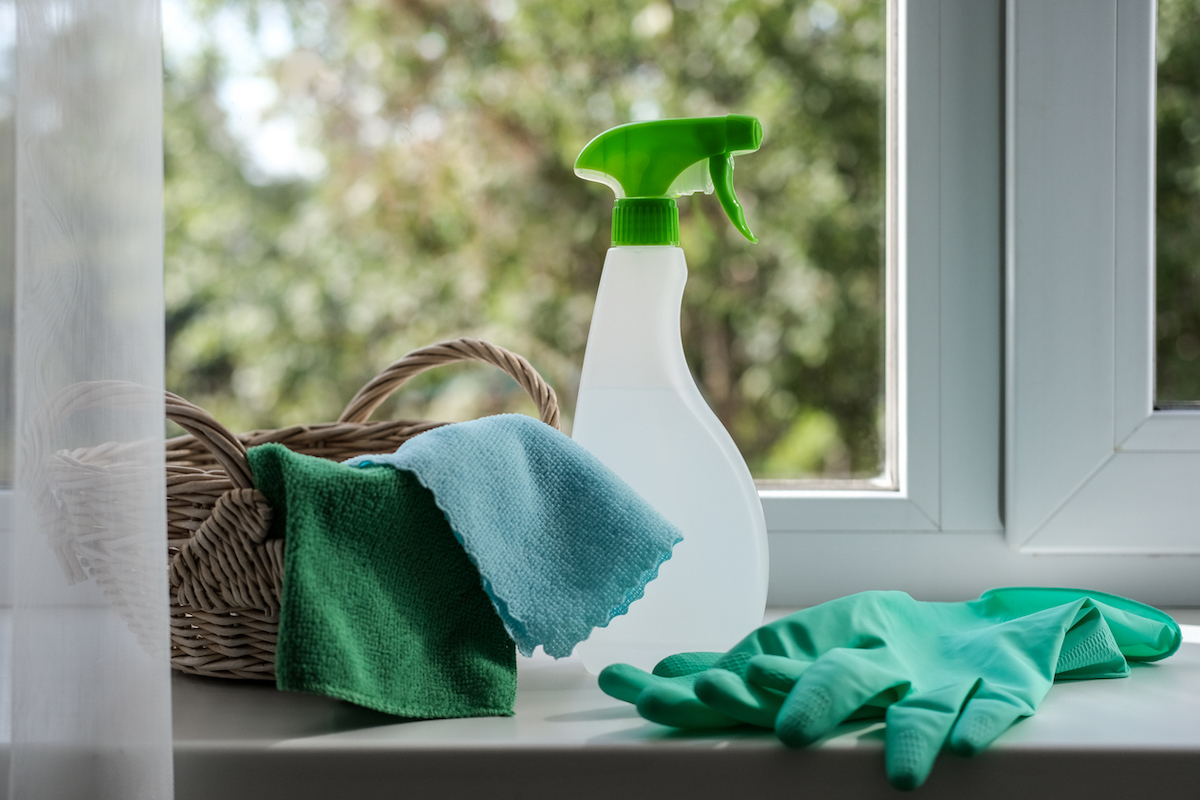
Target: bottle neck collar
[{"x": 645, "y": 221}]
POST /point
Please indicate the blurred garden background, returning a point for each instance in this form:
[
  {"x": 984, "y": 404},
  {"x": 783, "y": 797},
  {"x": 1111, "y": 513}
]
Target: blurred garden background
[
  {"x": 347, "y": 181},
  {"x": 1177, "y": 179}
]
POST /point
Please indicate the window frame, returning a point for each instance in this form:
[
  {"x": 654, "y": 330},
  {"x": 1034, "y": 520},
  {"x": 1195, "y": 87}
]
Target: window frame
[
  {"x": 945, "y": 293},
  {"x": 1093, "y": 467},
  {"x": 972, "y": 334}
]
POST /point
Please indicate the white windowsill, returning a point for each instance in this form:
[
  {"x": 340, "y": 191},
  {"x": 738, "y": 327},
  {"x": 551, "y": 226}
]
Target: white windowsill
[{"x": 1094, "y": 739}]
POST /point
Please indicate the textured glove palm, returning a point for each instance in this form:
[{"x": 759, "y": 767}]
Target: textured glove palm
[{"x": 956, "y": 673}]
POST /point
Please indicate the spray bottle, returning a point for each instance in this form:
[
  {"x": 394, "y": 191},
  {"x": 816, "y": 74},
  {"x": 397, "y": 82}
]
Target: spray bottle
[{"x": 640, "y": 411}]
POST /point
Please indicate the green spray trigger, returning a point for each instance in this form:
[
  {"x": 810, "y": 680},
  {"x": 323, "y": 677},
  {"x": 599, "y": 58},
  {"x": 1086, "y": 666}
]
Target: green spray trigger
[
  {"x": 649, "y": 164},
  {"x": 721, "y": 169}
]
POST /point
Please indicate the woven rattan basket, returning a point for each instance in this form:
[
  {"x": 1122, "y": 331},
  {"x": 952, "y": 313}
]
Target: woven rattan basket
[{"x": 225, "y": 571}]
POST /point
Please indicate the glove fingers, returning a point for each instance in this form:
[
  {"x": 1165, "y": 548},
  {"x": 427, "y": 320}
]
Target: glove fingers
[
  {"x": 776, "y": 672},
  {"x": 836, "y": 685},
  {"x": 989, "y": 713},
  {"x": 667, "y": 701},
  {"x": 624, "y": 682},
  {"x": 723, "y": 691},
  {"x": 674, "y": 703},
  {"x": 686, "y": 664},
  {"x": 917, "y": 727}
]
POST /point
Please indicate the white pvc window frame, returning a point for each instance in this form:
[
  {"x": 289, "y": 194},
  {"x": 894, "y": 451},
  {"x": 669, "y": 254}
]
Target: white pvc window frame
[
  {"x": 1093, "y": 467},
  {"x": 943, "y": 288},
  {"x": 997, "y": 338}
]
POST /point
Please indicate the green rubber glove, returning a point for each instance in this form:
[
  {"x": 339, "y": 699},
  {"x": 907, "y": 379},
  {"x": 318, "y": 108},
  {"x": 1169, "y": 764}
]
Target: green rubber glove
[
  {"x": 667, "y": 695},
  {"x": 941, "y": 672}
]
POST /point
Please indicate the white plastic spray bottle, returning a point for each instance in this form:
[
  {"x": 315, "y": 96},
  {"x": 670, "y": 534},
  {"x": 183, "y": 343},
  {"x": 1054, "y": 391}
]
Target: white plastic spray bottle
[{"x": 639, "y": 410}]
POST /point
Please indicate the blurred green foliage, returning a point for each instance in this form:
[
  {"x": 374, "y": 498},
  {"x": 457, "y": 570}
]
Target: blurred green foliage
[
  {"x": 446, "y": 205},
  {"x": 1177, "y": 238}
]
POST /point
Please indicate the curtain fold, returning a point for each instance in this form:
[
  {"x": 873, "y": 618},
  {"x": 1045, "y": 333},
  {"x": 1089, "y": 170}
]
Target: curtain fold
[{"x": 89, "y": 669}]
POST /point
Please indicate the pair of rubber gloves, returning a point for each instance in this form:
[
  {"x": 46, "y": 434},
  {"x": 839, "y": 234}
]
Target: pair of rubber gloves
[{"x": 956, "y": 674}]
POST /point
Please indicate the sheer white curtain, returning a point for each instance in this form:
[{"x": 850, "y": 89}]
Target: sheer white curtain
[{"x": 87, "y": 664}]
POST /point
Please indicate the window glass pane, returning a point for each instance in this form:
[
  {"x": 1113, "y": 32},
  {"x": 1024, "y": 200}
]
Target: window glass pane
[
  {"x": 1177, "y": 238},
  {"x": 348, "y": 181}
]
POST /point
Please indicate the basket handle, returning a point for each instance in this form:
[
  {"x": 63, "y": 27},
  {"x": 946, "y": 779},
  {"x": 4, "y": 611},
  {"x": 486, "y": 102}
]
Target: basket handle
[
  {"x": 382, "y": 385},
  {"x": 226, "y": 447}
]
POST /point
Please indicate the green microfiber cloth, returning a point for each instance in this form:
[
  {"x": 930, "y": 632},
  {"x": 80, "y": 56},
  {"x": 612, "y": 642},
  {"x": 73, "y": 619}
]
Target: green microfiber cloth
[{"x": 381, "y": 606}]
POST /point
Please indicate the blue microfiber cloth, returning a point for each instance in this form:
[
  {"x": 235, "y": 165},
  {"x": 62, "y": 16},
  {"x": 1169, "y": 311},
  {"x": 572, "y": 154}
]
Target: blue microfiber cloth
[{"x": 563, "y": 545}]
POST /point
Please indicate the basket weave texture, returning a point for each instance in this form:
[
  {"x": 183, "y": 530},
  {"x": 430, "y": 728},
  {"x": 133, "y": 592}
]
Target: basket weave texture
[{"x": 225, "y": 571}]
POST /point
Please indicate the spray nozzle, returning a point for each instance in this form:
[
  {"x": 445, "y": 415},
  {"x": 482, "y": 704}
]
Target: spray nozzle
[{"x": 649, "y": 164}]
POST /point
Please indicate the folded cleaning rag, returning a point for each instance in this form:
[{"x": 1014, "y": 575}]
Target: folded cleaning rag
[
  {"x": 380, "y": 605},
  {"x": 563, "y": 545}
]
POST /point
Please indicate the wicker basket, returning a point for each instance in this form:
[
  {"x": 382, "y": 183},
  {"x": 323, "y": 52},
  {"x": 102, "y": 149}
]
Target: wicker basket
[{"x": 225, "y": 572}]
